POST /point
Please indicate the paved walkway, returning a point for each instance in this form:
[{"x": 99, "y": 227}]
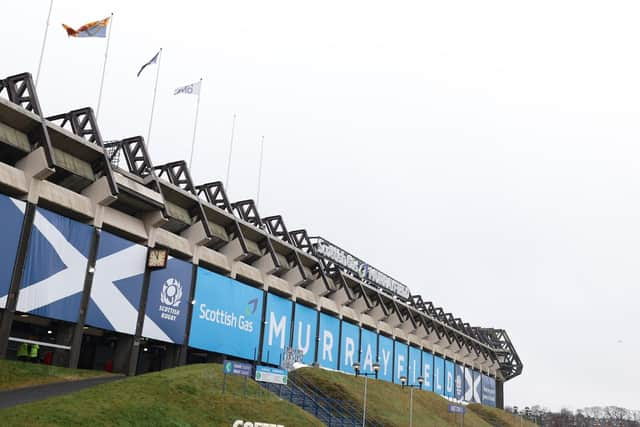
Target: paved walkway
[{"x": 31, "y": 394}]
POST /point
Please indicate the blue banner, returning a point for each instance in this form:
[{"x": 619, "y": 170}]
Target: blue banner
[
  {"x": 349, "y": 346},
  {"x": 488, "y": 391},
  {"x": 385, "y": 354},
  {"x": 55, "y": 268},
  {"x": 427, "y": 370},
  {"x": 368, "y": 350},
  {"x": 226, "y": 316},
  {"x": 400, "y": 361},
  {"x": 472, "y": 380},
  {"x": 12, "y": 214},
  {"x": 459, "y": 382},
  {"x": 477, "y": 387},
  {"x": 438, "y": 375},
  {"x": 329, "y": 341},
  {"x": 415, "y": 365},
  {"x": 168, "y": 301},
  {"x": 304, "y": 332},
  {"x": 117, "y": 284},
  {"x": 449, "y": 378},
  {"x": 277, "y": 328}
]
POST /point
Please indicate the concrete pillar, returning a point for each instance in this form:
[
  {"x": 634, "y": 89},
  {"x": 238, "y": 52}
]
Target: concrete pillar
[{"x": 499, "y": 394}]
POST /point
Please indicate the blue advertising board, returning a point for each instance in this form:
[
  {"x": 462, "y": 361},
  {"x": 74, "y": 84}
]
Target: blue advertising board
[
  {"x": 304, "y": 332},
  {"x": 55, "y": 268},
  {"x": 472, "y": 380},
  {"x": 349, "y": 346},
  {"x": 226, "y": 316},
  {"x": 438, "y": 375},
  {"x": 400, "y": 361},
  {"x": 12, "y": 214},
  {"x": 477, "y": 387},
  {"x": 415, "y": 365},
  {"x": 385, "y": 355},
  {"x": 237, "y": 368},
  {"x": 277, "y": 328},
  {"x": 449, "y": 378},
  {"x": 368, "y": 350},
  {"x": 455, "y": 409},
  {"x": 488, "y": 391},
  {"x": 329, "y": 341},
  {"x": 168, "y": 302},
  {"x": 117, "y": 284},
  {"x": 427, "y": 370},
  {"x": 459, "y": 382}
]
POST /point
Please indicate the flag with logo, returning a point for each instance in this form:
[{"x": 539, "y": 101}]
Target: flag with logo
[
  {"x": 192, "y": 89},
  {"x": 152, "y": 61},
  {"x": 92, "y": 29}
]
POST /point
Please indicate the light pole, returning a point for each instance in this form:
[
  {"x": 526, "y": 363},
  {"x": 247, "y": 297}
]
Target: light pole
[
  {"x": 366, "y": 375},
  {"x": 515, "y": 415},
  {"x": 403, "y": 381}
]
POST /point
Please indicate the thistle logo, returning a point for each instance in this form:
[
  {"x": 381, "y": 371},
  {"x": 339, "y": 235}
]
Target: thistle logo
[
  {"x": 170, "y": 299},
  {"x": 252, "y": 306}
]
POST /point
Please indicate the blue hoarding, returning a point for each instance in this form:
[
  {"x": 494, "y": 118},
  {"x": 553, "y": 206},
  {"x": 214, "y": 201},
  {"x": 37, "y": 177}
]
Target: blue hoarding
[
  {"x": 472, "y": 380},
  {"x": 438, "y": 375},
  {"x": 349, "y": 346},
  {"x": 304, "y": 332},
  {"x": 168, "y": 301},
  {"x": 449, "y": 379},
  {"x": 55, "y": 268},
  {"x": 415, "y": 365},
  {"x": 329, "y": 341},
  {"x": 427, "y": 370},
  {"x": 368, "y": 350},
  {"x": 477, "y": 387},
  {"x": 226, "y": 316},
  {"x": 400, "y": 361},
  {"x": 488, "y": 391},
  {"x": 277, "y": 328},
  {"x": 117, "y": 284},
  {"x": 12, "y": 214},
  {"x": 459, "y": 382},
  {"x": 385, "y": 356}
]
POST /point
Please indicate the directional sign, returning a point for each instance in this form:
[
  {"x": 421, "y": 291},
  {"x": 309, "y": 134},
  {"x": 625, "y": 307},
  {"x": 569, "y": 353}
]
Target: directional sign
[
  {"x": 238, "y": 368},
  {"x": 456, "y": 409},
  {"x": 271, "y": 375}
]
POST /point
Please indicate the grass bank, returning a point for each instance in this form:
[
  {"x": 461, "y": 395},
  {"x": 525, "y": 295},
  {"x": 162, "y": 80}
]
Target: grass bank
[{"x": 14, "y": 374}]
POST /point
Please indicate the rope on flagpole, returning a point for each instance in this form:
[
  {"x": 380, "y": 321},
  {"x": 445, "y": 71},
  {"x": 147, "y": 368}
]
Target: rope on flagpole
[
  {"x": 153, "y": 103},
  {"x": 195, "y": 125},
  {"x": 260, "y": 173},
  {"x": 233, "y": 128},
  {"x": 104, "y": 66},
  {"x": 44, "y": 42}
]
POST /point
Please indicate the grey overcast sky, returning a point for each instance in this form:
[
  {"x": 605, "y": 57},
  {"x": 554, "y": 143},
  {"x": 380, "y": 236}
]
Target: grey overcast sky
[{"x": 484, "y": 153}]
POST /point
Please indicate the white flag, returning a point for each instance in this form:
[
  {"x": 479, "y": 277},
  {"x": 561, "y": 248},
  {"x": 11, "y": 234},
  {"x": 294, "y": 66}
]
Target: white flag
[{"x": 192, "y": 89}]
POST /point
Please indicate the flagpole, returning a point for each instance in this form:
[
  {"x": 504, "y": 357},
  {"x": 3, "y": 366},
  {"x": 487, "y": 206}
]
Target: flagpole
[
  {"x": 195, "y": 124},
  {"x": 44, "y": 42},
  {"x": 260, "y": 173},
  {"x": 233, "y": 128},
  {"x": 153, "y": 103},
  {"x": 104, "y": 66}
]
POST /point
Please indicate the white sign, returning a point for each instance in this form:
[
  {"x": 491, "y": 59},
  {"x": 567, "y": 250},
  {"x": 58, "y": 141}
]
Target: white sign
[
  {"x": 240, "y": 423},
  {"x": 267, "y": 374}
]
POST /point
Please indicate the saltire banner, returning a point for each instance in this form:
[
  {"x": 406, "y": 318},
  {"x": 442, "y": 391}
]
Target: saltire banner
[
  {"x": 92, "y": 29},
  {"x": 153, "y": 60},
  {"x": 192, "y": 89}
]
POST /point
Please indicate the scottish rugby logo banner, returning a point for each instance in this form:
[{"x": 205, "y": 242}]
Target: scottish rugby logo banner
[{"x": 11, "y": 212}]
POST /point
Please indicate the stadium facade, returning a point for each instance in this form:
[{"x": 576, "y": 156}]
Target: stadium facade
[{"x": 112, "y": 262}]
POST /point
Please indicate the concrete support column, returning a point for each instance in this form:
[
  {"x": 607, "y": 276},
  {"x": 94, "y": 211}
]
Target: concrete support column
[{"x": 499, "y": 394}]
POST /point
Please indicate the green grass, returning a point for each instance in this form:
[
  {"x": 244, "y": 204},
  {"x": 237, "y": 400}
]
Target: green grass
[
  {"x": 14, "y": 374},
  {"x": 389, "y": 403},
  {"x": 186, "y": 396},
  {"x": 497, "y": 417}
]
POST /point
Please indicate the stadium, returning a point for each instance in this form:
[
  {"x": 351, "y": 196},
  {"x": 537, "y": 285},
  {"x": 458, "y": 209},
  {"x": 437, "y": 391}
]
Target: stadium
[{"x": 112, "y": 262}]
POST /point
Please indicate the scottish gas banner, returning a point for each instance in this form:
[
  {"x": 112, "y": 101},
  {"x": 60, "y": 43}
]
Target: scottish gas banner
[
  {"x": 427, "y": 370},
  {"x": 368, "y": 349},
  {"x": 304, "y": 332},
  {"x": 117, "y": 284},
  {"x": 400, "y": 361},
  {"x": 55, "y": 268},
  {"x": 488, "y": 391},
  {"x": 385, "y": 355},
  {"x": 459, "y": 382},
  {"x": 449, "y": 376},
  {"x": 438, "y": 375},
  {"x": 226, "y": 316},
  {"x": 277, "y": 328},
  {"x": 11, "y": 212},
  {"x": 349, "y": 346},
  {"x": 168, "y": 301},
  {"x": 329, "y": 341},
  {"x": 415, "y": 365}
]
